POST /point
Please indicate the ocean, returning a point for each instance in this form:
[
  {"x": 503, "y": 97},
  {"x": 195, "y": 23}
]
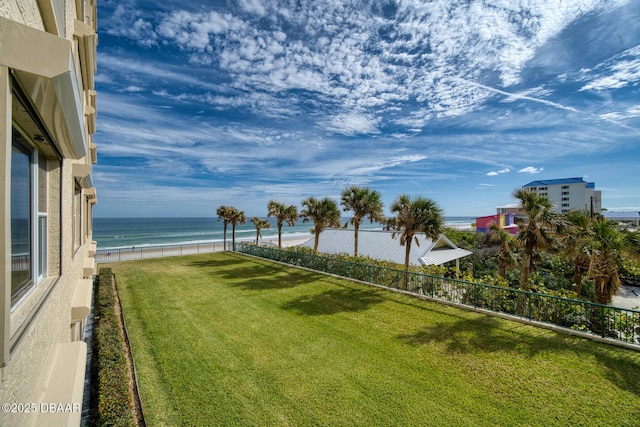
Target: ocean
[{"x": 110, "y": 233}]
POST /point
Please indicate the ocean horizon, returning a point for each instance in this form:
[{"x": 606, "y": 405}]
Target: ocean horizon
[{"x": 113, "y": 233}]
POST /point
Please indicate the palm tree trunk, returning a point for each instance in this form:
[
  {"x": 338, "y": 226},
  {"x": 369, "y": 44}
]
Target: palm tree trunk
[
  {"x": 225, "y": 235},
  {"x": 577, "y": 280},
  {"x": 502, "y": 268},
  {"x": 316, "y": 241},
  {"x": 525, "y": 272},
  {"x": 407, "y": 253},
  {"x": 279, "y": 236},
  {"x": 356, "y": 226}
]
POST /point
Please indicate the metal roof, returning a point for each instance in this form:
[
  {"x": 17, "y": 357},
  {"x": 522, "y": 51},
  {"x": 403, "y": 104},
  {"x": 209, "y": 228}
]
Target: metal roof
[
  {"x": 379, "y": 244},
  {"x": 562, "y": 181}
]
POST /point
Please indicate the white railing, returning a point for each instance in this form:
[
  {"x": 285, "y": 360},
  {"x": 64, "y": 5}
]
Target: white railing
[{"x": 157, "y": 251}]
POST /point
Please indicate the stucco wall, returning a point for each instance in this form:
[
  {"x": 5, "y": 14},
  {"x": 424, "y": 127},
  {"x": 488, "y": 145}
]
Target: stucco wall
[
  {"x": 44, "y": 366},
  {"x": 23, "y": 11},
  {"x": 25, "y": 378}
]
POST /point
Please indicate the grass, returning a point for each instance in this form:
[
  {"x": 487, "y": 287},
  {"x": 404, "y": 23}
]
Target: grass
[{"x": 231, "y": 340}]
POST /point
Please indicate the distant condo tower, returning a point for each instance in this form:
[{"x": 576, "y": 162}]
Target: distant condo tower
[
  {"x": 569, "y": 193},
  {"x": 48, "y": 112}
]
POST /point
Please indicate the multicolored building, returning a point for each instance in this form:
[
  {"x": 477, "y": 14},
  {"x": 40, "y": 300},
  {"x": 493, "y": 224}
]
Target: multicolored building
[{"x": 504, "y": 221}]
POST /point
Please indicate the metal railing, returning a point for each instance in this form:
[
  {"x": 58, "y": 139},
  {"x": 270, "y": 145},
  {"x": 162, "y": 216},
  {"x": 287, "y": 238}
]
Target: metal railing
[
  {"x": 157, "y": 251},
  {"x": 605, "y": 321}
]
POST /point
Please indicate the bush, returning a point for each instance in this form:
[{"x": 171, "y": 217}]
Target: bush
[{"x": 110, "y": 396}]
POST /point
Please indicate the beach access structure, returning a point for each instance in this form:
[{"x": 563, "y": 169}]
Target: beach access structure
[{"x": 613, "y": 325}]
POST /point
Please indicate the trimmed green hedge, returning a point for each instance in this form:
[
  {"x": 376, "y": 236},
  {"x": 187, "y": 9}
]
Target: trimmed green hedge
[{"x": 110, "y": 382}]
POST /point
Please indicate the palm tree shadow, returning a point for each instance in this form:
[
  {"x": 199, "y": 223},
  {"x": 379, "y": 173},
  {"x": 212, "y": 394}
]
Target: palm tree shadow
[
  {"x": 334, "y": 301},
  {"x": 623, "y": 369},
  {"x": 278, "y": 279},
  {"x": 484, "y": 333},
  {"x": 487, "y": 334}
]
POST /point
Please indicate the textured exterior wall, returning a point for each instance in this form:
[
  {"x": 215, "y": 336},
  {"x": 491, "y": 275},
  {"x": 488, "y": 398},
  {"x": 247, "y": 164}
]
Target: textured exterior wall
[
  {"x": 45, "y": 365},
  {"x": 23, "y": 11}
]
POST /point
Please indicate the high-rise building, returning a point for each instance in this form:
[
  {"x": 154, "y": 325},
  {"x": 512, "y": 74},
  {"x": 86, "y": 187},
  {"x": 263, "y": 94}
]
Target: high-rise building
[
  {"x": 569, "y": 193},
  {"x": 48, "y": 112}
]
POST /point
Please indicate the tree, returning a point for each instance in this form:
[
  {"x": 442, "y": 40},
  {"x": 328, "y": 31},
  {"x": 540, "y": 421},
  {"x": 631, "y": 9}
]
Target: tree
[
  {"x": 365, "y": 203},
  {"x": 415, "y": 216},
  {"x": 260, "y": 223},
  {"x": 223, "y": 213},
  {"x": 631, "y": 241},
  {"x": 535, "y": 233},
  {"x": 323, "y": 212},
  {"x": 506, "y": 257},
  {"x": 576, "y": 239},
  {"x": 606, "y": 258},
  {"x": 236, "y": 217},
  {"x": 282, "y": 213}
]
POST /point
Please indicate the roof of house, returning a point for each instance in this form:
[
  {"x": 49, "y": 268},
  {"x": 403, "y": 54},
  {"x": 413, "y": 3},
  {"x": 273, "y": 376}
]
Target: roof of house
[
  {"x": 379, "y": 244},
  {"x": 562, "y": 181}
]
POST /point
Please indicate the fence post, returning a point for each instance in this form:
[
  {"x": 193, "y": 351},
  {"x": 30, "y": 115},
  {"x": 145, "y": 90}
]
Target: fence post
[{"x": 602, "y": 316}]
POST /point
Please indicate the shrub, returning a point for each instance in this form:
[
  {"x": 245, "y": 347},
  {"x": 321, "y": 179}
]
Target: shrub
[{"x": 110, "y": 396}]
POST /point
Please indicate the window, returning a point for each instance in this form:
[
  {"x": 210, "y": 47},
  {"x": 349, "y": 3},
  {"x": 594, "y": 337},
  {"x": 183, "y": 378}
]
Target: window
[
  {"x": 29, "y": 225},
  {"x": 77, "y": 216},
  {"x": 21, "y": 218},
  {"x": 43, "y": 194}
]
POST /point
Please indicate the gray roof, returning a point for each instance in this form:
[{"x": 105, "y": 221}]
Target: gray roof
[{"x": 379, "y": 244}]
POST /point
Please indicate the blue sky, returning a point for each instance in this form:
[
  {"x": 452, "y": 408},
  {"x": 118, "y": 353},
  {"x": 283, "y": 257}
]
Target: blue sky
[{"x": 203, "y": 103}]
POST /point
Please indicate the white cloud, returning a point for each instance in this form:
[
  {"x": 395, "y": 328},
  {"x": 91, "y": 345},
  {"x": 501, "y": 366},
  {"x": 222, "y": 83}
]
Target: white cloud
[
  {"x": 496, "y": 173},
  {"x": 531, "y": 170},
  {"x": 621, "y": 71}
]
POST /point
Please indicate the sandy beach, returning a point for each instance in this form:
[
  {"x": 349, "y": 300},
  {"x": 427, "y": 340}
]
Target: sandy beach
[{"x": 159, "y": 251}]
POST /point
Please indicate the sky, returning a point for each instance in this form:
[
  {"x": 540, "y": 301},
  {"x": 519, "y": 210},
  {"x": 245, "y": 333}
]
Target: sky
[{"x": 209, "y": 103}]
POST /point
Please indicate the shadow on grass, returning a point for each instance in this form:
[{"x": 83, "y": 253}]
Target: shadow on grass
[
  {"x": 334, "y": 301},
  {"x": 279, "y": 279},
  {"x": 246, "y": 273},
  {"x": 488, "y": 334},
  {"x": 484, "y": 333},
  {"x": 624, "y": 368}
]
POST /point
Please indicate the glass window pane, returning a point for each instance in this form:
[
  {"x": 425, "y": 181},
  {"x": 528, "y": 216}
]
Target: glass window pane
[
  {"x": 42, "y": 183},
  {"x": 21, "y": 198},
  {"x": 42, "y": 246}
]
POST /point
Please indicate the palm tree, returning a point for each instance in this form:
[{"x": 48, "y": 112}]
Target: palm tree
[
  {"x": 236, "y": 217},
  {"x": 576, "y": 240},
  {"x": 283, "y": 213},
  {"x": 323, "y": 212},
  {"x": 506, "y": 257},
  {"x": 606, "y": 258},
  {"x": 365, "y": 203},
  {"x": 535, "y": 233},
  {"x": 223, "y": 214},
  {"x": 632, "y": 243},
  {"x": 260, "y": 223},
  {"x": 414, "y": 216}
]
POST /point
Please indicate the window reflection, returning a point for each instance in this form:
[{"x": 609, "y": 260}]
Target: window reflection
[{"x": 21, "y": 279}]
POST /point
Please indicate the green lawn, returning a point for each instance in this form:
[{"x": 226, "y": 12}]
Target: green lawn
[{"x": 224, "y": 339}]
